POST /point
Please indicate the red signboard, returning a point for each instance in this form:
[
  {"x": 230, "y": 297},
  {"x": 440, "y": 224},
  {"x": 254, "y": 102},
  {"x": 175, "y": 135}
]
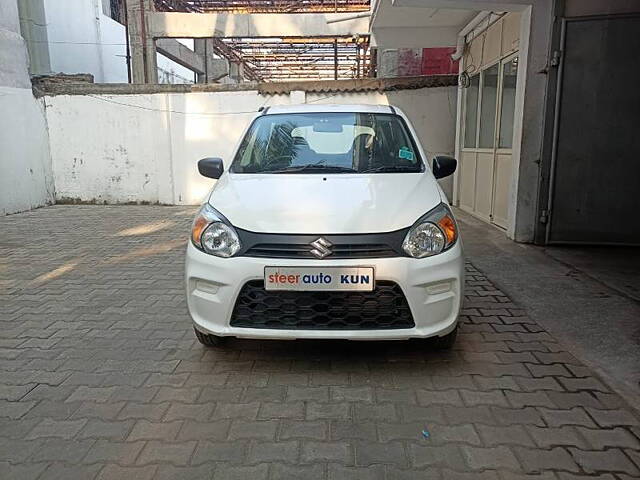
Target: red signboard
[{"x": 437, "y": 61}]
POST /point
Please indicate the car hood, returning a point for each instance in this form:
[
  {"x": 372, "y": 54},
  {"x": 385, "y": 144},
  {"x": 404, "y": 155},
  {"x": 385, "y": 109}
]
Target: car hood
[{"x": 325, "y": 204}]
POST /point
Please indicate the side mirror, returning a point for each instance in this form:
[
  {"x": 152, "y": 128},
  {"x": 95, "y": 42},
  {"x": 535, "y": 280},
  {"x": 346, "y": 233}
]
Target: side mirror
[
  {"x": 444, "y": 166},
  {"x": 211, "y": 167}
]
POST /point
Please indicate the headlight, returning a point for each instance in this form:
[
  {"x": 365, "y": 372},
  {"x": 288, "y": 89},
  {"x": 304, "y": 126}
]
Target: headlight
[
  {"x": 433, "y": 233},
  {"x": 221, "y": 240},
  {"x": 213, "y": 234}
]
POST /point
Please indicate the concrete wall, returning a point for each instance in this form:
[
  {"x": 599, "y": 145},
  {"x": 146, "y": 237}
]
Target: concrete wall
[
  {"x": 33, "y": 25},
  {"x": 26, "y": 180},
  {"x": 14, "y": 61},
  {"x": 25, "y": 165},
  {"x": 172, "y": 72},
  {"x": 144, "y": 148},
  {"x": 114, "y": 50},
  {"x": 86, "y": 41}
]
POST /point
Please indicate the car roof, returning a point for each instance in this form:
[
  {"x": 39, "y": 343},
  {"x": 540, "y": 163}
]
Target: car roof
[{"x": 326, "y": 108}]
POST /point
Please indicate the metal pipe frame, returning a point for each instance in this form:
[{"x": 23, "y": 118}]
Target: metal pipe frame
[
  {"x": 320, "y": 58},
  {"x": 262, "y": 6}
]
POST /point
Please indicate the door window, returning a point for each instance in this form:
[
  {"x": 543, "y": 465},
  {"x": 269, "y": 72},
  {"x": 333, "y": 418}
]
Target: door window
[
  {"x": 471, "y": 112},
  {"x": 508, "y": 103},
  {"x": 488, "y": 107}
]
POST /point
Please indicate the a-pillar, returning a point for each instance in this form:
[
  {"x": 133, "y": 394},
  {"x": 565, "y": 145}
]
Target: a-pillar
[{"x": 144, "y": 68}]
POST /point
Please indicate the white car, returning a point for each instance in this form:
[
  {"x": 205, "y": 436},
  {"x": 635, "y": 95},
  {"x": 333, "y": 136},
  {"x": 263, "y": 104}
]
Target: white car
[{"x": 328, "y": 224}]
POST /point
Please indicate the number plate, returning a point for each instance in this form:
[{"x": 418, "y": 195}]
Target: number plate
[{"x": 319, "y": 278}]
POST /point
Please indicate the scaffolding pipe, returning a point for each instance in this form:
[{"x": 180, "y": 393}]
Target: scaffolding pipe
[
  {"x": 128, "y": 42},
  {"x": 335, "y": 59},
  {"x": 350, "y": 17}
]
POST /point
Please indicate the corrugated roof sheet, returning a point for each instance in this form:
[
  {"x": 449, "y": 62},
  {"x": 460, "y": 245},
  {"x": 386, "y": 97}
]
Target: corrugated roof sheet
[
  {"x": 50, "y": 85},
  {"x": 359, "y": 85}
]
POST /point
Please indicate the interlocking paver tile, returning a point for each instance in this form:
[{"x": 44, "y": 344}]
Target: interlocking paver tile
[
  {"x": 317, "y": 430},
  {"x": 332, "y": 451},
  {"x": 230, "y": 472},
  {"x": 105, "y": 451},
  {"x": 146, "y": 430},
  {"x": 535, "y": 461},
  {"x": 96, "y": 428},
  {"x": 60, "y": 471},
  {"x": 510, "y": 435},
  {"x": 490, "y": 458},
  {"x": 56, "y": 428},
  {"x": 101, "y": 377},
  {"x": 57, "y": 450},
  {"x": 340, "y": 472},
  {"x": 203, "y": 430},
  {"x": 615, "y": 437},
  {"x": 612, "y": 460},
  {"x": 15, "y": 409},
  {"x": 259, "y": 430},
  {"x": 29, "y": 471},
  {"x": 297, "y": 472},
  {"x": 172, "y": 472},
  {"x": 425, "y": 455},
  {"x": 151, "y": 412},
  {"x": 233, "y": 452},
  {"x": 117, "y": 472},
  {"x": 177, "y": 453}
]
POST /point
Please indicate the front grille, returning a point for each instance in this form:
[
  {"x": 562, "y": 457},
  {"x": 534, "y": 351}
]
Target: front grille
[
  {"x": 361, "y": 245},
  {"x": 384, "y": 308},
  {"x": 289, "y": 250}
]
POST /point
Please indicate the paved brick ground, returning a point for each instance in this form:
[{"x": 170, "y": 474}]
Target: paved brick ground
[{"x": 101, "y": 377}]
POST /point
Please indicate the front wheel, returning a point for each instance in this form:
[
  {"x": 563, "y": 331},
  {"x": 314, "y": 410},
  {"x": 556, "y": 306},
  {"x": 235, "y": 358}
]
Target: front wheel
[
  {"x": 447, "y": 341},
  {"x": 209, "y": 340}
]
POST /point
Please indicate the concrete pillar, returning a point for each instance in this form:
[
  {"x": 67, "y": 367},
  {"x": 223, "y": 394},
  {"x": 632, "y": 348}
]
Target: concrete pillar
[
  {"x": 529, "y": 121},
  {"x": 236, "y": 72},
  {"x": 33, "y": 23},
  {"x": 219, "y": 68},
  {"x": 144, "y": 68},
  {"x": 215, "y": 68},
  {"x": 387, "y": 62}
]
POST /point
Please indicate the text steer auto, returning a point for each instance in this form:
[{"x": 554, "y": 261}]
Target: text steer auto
[{"x": 328, "y": 223}]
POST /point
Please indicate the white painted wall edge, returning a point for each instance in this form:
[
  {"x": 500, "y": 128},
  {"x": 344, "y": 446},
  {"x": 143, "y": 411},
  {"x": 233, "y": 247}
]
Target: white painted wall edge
[{"x": 26, "y": 179}]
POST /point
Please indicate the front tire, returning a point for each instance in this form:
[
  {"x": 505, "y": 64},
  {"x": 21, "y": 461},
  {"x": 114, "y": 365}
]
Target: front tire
[
  {"x": 209, "y": 340},
  {"x": 447, "y": 341}
]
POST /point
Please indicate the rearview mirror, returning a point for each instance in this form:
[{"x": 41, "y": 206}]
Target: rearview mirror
[
  {"x": 327, "y": 127},
  {"x": 211, "y": 167},
  {"x": 444, "y": 166}
]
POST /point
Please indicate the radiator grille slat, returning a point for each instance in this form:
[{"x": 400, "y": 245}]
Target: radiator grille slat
[
  {"x": 340, "y": 246},
  {"x": 304, "y": 251}
]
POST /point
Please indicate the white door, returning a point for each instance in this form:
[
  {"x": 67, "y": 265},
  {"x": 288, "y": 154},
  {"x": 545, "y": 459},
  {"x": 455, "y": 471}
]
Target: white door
[{"x": 486, "y": 162}]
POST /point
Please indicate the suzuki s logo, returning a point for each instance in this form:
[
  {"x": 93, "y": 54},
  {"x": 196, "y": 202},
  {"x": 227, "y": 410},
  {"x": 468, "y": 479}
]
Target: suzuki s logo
[{"x": 321, "y": 247}]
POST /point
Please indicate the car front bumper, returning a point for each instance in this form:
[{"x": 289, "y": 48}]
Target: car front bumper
[{"x": 433, "y": 288}]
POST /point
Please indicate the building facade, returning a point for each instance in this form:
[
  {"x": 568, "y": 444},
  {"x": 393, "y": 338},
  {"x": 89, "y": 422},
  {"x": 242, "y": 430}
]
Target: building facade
[{"x": 545, "y": 133}]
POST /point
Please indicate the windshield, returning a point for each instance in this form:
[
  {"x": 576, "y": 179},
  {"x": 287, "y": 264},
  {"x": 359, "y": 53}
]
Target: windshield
[{"x": 327, "y": 142}]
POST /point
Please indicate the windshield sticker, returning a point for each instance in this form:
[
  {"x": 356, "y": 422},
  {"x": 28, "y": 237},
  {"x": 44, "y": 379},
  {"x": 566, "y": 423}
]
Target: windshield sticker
[{"x": 405, "y": 153}]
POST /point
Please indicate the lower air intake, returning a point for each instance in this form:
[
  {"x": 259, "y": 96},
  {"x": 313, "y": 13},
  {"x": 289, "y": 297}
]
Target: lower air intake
[{"x": 384, "y": 308}]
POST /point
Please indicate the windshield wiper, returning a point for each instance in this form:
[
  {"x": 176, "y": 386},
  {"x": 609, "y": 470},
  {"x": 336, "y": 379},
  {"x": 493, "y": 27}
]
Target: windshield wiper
[
  {"x": 313, "y": 167},
  {"x": 391, "y": 168}
]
